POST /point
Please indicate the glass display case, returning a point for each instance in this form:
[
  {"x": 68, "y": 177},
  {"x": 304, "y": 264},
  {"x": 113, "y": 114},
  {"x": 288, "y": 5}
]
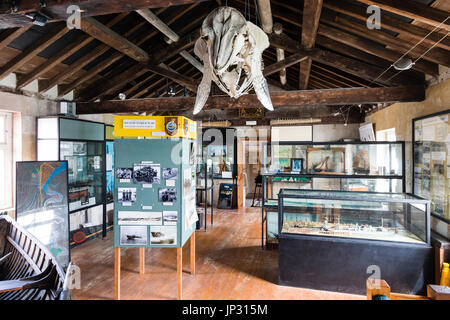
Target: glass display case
[
  {"x": 204, "y": 186},
  {"x": 220, "y": 145},
  {"x": 333, "y": 240},
  {"x": 339, "y": 166},
  {"x": 82, "y": 144},
  {"x": 431, "y": 175},
  {"x": 357, "y": 215}
]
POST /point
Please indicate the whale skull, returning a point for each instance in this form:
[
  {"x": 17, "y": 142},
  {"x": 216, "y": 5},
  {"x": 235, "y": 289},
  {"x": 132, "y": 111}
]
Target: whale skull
[{"x": 231, "y": 50}]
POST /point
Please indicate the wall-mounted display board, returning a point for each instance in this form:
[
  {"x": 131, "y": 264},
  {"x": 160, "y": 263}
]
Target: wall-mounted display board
[
  {"x": 82, "y": 144},
  {"x": 42, "y": 205},
  {"x": 342, "y": 166},
  {"x": 431, "y": 167},
  {"x": 155, "y": 189}
]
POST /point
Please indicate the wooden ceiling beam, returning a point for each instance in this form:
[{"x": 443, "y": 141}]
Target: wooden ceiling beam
[
  {"x": 111, "y": 38},
  {"x": 414, "y": 10},
  {"x": 283, "y": 64},
  {"x": 351, "y": 66},
  {"x": 111, "y": 84},
  {"x": 32, "y": 50},
  {"x": 311, "y": 17},
  {"x": 389, "y": 23},
  {"x": 285, "y": 98},
  {"x": 57, "y": 9},
  {"x": 436, "y": 55},
  {"x": 377, "y": 50},
  {"x": 86, "y": 59},
  {"x": 175, "y": 47}
]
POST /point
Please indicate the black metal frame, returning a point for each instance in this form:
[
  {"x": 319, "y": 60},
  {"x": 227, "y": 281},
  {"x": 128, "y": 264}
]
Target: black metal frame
[
  {"x": 205, "y": 190},
  {"x": 418, "y": 200},
  {"x": 266, "y": 146},
  {"x": 413, "y": 152}
]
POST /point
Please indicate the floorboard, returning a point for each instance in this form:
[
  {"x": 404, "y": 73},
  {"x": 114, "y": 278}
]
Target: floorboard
[{"x": 230, "y": 264}]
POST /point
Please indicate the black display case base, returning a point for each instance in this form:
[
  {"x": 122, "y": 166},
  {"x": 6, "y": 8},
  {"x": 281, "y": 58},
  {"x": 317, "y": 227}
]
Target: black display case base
[{"x": 343, "y": 265}]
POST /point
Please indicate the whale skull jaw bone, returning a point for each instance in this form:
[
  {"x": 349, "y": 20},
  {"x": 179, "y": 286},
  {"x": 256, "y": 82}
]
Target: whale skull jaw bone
[{"x": 231, "y": 50}]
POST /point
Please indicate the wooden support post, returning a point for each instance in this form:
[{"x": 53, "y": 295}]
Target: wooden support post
[
  {"x": 193, "y": 253},
  {"x": 438, "y": 262},
  {"x": 141, "y": 260},
  {"x": 180, "y": 273},
  {"x": 117, "y": 273}
]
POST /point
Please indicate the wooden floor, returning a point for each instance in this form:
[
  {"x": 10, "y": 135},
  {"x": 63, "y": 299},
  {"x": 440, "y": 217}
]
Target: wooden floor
[{"x": 230, "y": 265}]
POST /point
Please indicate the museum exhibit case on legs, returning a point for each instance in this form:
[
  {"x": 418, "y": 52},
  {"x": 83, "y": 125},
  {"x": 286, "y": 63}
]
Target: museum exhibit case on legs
[
  {"x": 155, "y": 186},
  {"x": 82, "y": 144},
  {"x": 343, "y": 166},
  {"x": 335, "y": 240},
  {"x": 204, "y": 186},
  {"x": 431, "y": 176}
]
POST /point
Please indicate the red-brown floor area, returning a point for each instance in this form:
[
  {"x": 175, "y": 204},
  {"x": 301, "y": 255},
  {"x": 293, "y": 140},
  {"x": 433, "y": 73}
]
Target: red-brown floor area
[{"x": 230, "y": 265}]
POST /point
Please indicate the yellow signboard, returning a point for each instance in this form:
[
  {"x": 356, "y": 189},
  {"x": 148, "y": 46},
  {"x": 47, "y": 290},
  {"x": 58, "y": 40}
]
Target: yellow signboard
[{"x": 155, "y": 126}]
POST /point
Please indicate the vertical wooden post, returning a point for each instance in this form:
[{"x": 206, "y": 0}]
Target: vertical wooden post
[
  {"x": 180, "y": 273},
  {"x": 240, "y": 174},
  {"x": 193, "y": 253},
  {"x": 141, "y": 260},
  {"x": 117, "y": 273}
]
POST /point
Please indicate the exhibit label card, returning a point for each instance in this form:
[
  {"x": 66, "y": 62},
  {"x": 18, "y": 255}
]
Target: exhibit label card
[
  {"x": 170, "y": 183},
  {"x": 147, "y": 207},
  {"x": 138, "y": 124},
  {"x": 147, "y": 186},
  {"x": 127, "y": 204},
  {"x": 167, "y": 203},
  {"x": 124, "y": 180}
]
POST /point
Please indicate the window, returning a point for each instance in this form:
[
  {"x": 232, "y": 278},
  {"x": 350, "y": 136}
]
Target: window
[
  {"x": 6, "y": 164},
  {"x": 386, "y": 135}
]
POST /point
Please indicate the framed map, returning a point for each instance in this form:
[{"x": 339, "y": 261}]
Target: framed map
[{"x": 42, "y": 205}]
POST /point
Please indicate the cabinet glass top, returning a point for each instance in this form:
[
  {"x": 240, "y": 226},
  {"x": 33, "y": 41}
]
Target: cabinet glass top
[{"x": 343, "y": 195}]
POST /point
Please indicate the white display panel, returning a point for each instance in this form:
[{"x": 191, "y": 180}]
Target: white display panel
[
  {"x": 48, "y": 128},
  {"x": 291, "y": 133}
]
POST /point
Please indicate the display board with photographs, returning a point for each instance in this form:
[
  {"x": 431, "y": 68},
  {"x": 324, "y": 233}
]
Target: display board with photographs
[
  {"x": 154, "y": 205},
  {"x": 431, "y": 163}
]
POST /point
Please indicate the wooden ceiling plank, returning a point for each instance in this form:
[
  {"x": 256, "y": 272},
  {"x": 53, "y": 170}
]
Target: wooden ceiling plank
[
  {"x": 86, "y": 59},
  {"x": 311, "y": 17},
  {"x": 377, "y": 50},
  {"x": 73, "y": 47},
  {"x": 436, "y": 55},
  {"x": 11, "y": 34},
  {"x": 284, "y": 98},
  {"x": 389, "y": 23},
  {"x": 104, "y": 64},
  {"x": 57, "y": 9},
  {"x": 283, "y": 64},
  {"x": 32, "y": 50},
  {"x": 414, "y": 10},
  {"x": 349, "y": 65}
]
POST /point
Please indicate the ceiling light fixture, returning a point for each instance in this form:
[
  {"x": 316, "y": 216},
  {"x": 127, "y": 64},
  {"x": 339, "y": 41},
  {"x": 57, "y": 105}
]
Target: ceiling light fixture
[
  {"x": 122, "y": 96},
  {"x": 402, "y": 64}
]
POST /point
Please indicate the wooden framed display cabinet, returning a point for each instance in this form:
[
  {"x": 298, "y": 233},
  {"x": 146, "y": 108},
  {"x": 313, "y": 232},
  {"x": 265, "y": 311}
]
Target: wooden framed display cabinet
[{"x": 355, "y": 166}]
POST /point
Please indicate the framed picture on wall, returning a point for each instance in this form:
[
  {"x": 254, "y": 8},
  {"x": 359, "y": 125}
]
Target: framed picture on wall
[
  {"x": 325, "y": 160},
  {"x": 297, "y": 164}
]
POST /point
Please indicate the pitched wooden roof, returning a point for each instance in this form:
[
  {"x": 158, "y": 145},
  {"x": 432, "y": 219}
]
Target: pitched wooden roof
[{"x": 119, "y": 51}]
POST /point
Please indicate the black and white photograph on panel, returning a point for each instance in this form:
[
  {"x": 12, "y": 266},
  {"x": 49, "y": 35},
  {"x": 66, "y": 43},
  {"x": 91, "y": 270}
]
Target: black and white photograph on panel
[
  {"x": 170, "y": 217},
  {"x": 163, "y": 235},
  {"x": 126, "y": 194},
  {"x": 147, "y": 173},
  {"x": 124, "y": 173},
  {"x": 170, "y": 173},
  {"x": 139, "y": 218},
  {"x": 167, "y": 194},
  {"x": 133, "y": 235}
]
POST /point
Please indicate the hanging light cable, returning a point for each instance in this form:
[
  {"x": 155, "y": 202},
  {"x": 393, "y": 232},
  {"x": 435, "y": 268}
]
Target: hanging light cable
[{"x": 412, "y": 48}]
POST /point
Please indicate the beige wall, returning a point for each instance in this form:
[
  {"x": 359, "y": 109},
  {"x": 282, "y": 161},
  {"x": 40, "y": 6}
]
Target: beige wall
[{"x": 26, "y": 110}]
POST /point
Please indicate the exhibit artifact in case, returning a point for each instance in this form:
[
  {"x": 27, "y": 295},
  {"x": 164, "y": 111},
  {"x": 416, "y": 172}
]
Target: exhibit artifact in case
[
  {"x": 339, "y": 166},
  {"x": 352, "y": 232}
]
